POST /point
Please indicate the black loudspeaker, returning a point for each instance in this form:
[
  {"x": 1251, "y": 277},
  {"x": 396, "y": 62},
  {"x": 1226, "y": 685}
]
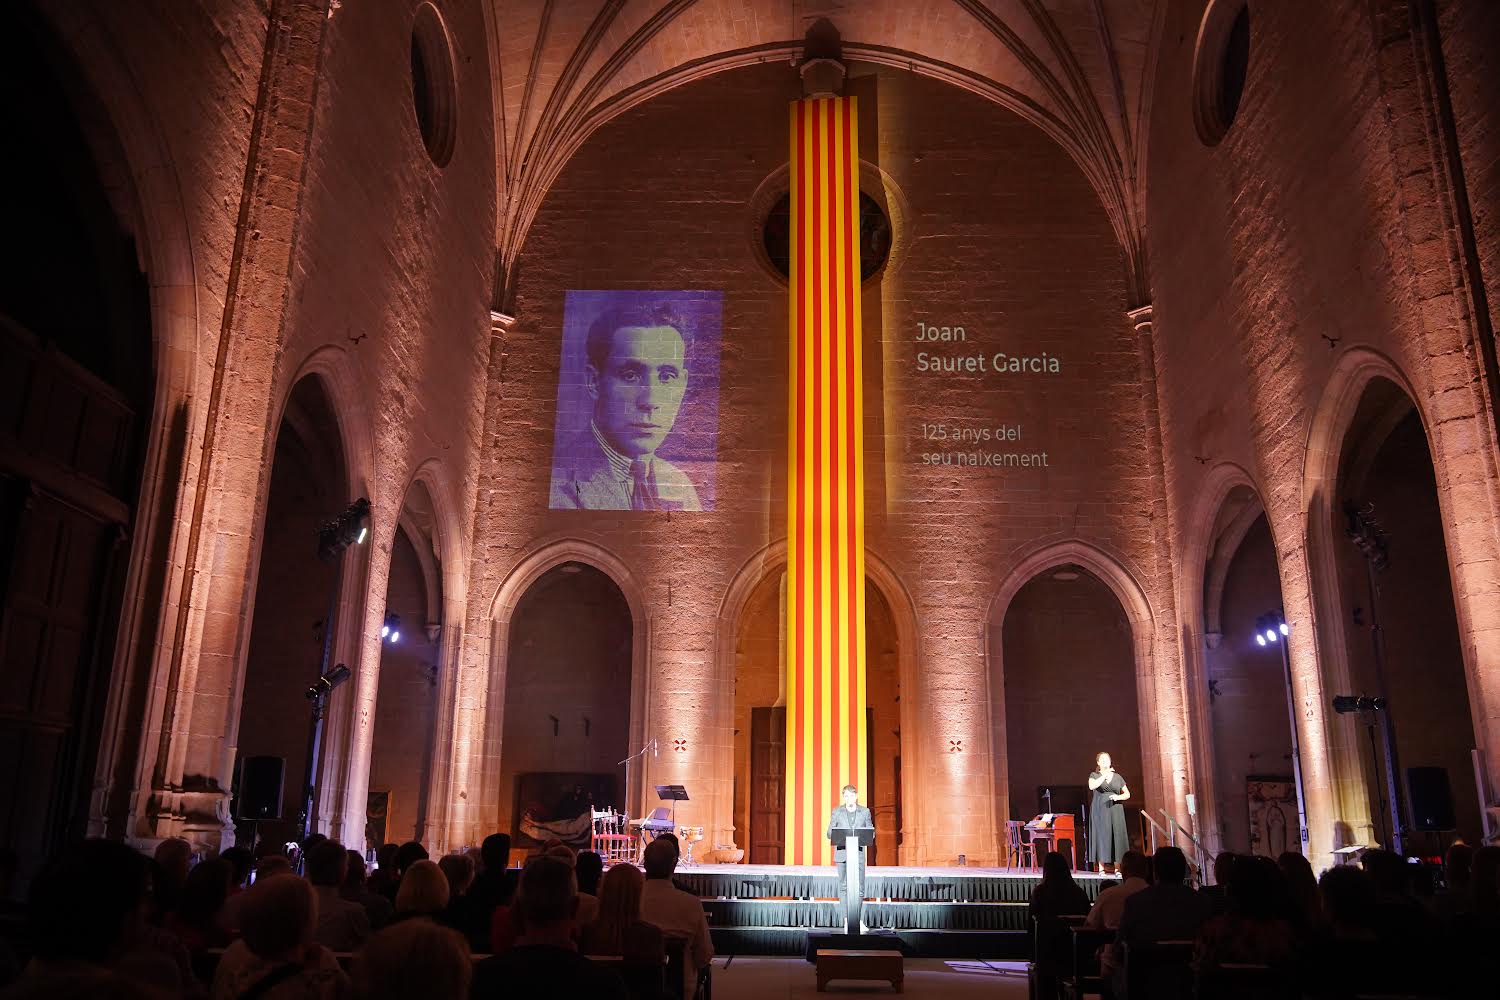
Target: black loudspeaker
[
  {"x": 1431, "y": 799},
  {"x": 260, "y": 787}
]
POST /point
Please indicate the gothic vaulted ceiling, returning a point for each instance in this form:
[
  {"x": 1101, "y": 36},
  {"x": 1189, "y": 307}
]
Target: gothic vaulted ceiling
[{"x": 1078, "y": 69}]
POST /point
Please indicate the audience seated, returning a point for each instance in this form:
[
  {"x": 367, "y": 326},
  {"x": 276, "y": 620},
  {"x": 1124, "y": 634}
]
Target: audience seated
[
  {"x": 384, "y": 879},
  {"x": 171, "y": 861},
  {"x": 197, "y": 919},
  {"x": 277, "y": 959},
  {"x": 545, "y": 961},
  {"x": 1398, "y": 914},
  {"x": 619, "y": 929},
  {"x": 88, "y": 911},
  {"x": 423, "y": 891},
  {"x": 378, "y": 909},
  {"x": 1105, "y": 914},
  {"x": 1217, "y": 894},
  {"x": 589, "y": 868},
  {"x": 1302, "y": 885},
  {"x": 342, "y": 925},
  {"x": 1258, "y": 927},
  {"x": 414, "y": 959},
  {"x": 493, "y": 889},
  {"x": 458, "y": 869},
  {"x": 679, "y": 914}
]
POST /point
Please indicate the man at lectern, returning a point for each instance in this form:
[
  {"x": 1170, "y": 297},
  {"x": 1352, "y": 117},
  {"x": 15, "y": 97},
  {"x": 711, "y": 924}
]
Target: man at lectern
[{"x": 849, "y": 815}]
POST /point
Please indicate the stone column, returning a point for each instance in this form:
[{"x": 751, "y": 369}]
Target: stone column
[
  {"x": 199, "y": 673},
  {"x": 1173, "y": 725}
]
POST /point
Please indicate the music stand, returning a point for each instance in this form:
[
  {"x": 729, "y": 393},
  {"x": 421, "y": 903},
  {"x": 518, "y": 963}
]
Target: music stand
[{"x": 673, "y": 794}]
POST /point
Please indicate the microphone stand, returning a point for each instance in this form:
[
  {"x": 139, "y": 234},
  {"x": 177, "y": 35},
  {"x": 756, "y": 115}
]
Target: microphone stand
[{"x": 651, "y": 745}]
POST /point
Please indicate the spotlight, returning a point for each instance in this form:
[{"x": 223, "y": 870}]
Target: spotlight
[
  {"x": 1270, "y": 635},
  {"x": 328, "y": 682},
  {"x": 391, "y": 630},
  {"x": 351, "y": 527},
  {"x": 1285, "y": 628},
  {"x": 1260, "y": 639},
  {"x": 1346, "y": 704}
]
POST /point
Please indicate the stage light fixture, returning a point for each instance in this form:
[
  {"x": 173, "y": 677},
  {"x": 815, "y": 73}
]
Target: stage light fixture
[
  {"x": 351, "y": 527},
  {"x": 1260, "y": 640},
  {"x": 391, "y": 630},
  {"x": 1347, "y": 704}
]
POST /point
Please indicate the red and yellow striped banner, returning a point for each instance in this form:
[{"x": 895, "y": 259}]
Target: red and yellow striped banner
[{"x": 825, "y": 699}]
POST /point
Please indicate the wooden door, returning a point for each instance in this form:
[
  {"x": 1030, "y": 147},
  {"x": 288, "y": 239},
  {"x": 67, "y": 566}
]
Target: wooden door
[{"x": 767, "y": 785}]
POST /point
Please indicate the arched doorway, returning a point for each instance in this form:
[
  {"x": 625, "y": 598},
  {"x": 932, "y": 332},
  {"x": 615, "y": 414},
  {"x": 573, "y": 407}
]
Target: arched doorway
[
  {"x": 568, "y": 689},
  {"x": 1255, "y": 803},
  {"x": 760, "y": 722},
  {"x": 1068, "y": 691},
  {"x": 1399, "y": 622},
  {"x": 292, "y": 597},
  {"x": 406, "y": 707}
]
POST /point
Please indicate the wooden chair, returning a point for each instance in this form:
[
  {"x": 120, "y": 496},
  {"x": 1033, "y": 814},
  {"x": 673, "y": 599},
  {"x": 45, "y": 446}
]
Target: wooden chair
[
  {"x": 1082, "y": 977},
  {"x": 1020, "y": 852}
]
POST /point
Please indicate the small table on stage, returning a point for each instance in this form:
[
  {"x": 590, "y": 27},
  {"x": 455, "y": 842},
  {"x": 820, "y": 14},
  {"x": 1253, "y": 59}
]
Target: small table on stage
[{"x": 1048, "y": 831}]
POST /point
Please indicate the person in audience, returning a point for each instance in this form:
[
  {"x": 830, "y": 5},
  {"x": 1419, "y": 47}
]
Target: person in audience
[
  {"x": 1218, "y": 893},
  {"x": 493, "y": 889},
  {"x": 1486, "y": 881},
  {"x": 242, "y": 862},
  {"x": 1456, "y": 900},
  {"x": 590, "y": 868},
  {"x": 1055, "y": 896},
  {"x": 1302, "y": 885},
  {"x": 407, "y": 855},
  {"x": 385, "y": 876},
  {"x": 459, "y": 870},
  {"x": 278, "y": 959},
  {"x": 588, "y": 904},
  {"x": 545, "y": 961},
  {"x": 1168, "y": 909},
  {"x": 272, "y": 865},
  {"x": 619, "y": 929},
  {"x": 342, "y": 925},
  {"x": 378, "y": 909},
  {"x": 423, "y": 892},
  {"x": 1398, "y": 915},
  {"x": 679, "y": 914},
  {"x": 1105, "y": 914},
  {"x": 173, "y": 859},
  {"x": 1348, "y": 904},
  {"x": 88, "y": 910},
  {"x": 415, "y": 958},
  {"x": 197, "y": 920},
  {"x": 1258, "y": 928}
]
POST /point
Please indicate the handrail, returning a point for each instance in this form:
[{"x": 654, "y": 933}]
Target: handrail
[
  {"x": 1178, "y": 827},
  {"x": 1154, "y": 830}
]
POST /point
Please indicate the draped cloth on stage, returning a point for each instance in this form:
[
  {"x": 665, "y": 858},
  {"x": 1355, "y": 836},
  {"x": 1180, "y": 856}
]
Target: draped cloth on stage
[{"x": 825, "y": 699}]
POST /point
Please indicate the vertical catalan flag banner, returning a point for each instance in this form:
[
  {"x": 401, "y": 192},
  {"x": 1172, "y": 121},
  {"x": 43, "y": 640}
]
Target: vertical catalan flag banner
[{"x": 825, "y": 684}]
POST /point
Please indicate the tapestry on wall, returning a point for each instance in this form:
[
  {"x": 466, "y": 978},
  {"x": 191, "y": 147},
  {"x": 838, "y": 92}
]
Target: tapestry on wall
[
  {"x": 559, "y": 804},
  {"x": 1273, "y": 815}
]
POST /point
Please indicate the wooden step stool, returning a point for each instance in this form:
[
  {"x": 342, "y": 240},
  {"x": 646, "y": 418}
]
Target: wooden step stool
[{"x": 835, "y": 963}]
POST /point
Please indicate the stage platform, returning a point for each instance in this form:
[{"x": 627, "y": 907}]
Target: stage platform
[{"x": 935, "y": 912}]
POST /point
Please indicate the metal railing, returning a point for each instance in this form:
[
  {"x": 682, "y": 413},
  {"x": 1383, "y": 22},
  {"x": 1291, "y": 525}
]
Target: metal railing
[{"x": 1158, "y": 835}]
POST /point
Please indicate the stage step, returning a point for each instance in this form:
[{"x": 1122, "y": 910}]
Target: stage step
[
  {"x": 894, "y": 916},
  {"x": 996, "y": 945}
]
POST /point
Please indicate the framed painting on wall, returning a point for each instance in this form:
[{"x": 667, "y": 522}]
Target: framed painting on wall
[{"x": 559, "y": 804}]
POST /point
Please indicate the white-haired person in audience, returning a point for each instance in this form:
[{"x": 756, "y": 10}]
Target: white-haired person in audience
[{"x": 278, "y": 959}]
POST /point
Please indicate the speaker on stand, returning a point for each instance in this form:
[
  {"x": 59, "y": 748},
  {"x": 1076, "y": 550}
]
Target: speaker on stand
[{"x": 260, "y": 791}]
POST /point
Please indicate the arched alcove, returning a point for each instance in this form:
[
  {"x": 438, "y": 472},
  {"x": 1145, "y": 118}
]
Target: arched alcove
[
  {"x": 1068, "y": 690},
  {"x": 760, "y": 722},
  {"x": 568, "y": 685},
  {"x": 293, "y": 595},
  {"x": 1255, "y": 806},
  {"x": 406, "y": 707},
  {"x": 1399, "y": 623}
]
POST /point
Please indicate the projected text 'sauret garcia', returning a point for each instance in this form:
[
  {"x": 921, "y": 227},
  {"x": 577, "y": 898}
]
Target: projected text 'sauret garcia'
[{"x": 977, "y": 363}]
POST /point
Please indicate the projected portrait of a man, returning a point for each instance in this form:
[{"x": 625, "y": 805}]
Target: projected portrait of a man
[{"x": 639, "y": 365}]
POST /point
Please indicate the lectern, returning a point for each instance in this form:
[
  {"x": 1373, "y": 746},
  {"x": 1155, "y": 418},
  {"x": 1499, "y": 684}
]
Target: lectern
[{"x": 853, "y": 841}]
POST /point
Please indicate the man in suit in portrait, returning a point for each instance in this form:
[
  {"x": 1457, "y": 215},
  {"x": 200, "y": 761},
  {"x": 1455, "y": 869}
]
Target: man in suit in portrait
[
  {"x": 635, "y": 371},
  {"x": 849, "y": 815}
]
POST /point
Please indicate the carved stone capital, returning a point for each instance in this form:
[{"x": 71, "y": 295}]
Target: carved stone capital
[{"x": 1140, "y": 318}]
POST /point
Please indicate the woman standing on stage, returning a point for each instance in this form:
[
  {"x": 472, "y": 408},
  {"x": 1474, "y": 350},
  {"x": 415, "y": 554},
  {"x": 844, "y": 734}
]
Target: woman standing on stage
[{"x": 1108, "y": 840}]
